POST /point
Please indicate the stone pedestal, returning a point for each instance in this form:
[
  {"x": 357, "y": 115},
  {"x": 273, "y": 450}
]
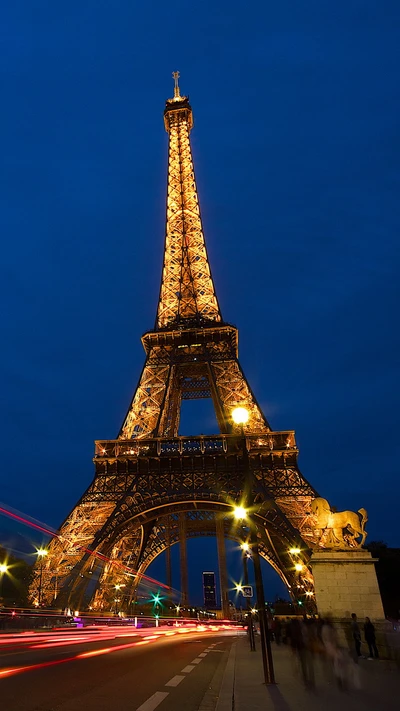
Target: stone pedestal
[{"x": 346, "y": 582}]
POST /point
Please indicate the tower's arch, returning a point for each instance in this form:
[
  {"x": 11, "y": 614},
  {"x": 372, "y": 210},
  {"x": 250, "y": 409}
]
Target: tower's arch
[{"x": 132, "y": 539}]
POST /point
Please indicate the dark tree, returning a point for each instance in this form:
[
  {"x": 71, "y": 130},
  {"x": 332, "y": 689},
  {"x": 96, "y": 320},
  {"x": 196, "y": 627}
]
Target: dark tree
[
  {"x": 14, "y": 583},
  {"x": 388, "y": 574}
]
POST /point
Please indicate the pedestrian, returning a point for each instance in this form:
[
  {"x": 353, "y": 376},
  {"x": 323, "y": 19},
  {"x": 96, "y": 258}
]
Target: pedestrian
[
  {"x": 286, "y": 631},
  {"x": 369, "y": 634},
  {"x": 345, "y": 669},
  {"x": 299, "y": 643},
  {"x": 356, "y": 634},
  {"x": 331, "y": 646},
  {"x": 278, "y": 631}
]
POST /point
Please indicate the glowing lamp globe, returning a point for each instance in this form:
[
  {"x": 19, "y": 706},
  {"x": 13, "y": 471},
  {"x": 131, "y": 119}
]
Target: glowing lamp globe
[
  {"x": 240, "y": 415},
  {"x": 239, "y": 512},
  {"x": 3, "y": 568}
]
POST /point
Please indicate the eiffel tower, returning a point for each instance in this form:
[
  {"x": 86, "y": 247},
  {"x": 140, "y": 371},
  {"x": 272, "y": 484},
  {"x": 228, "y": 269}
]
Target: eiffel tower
[{"x": 153, "y": 488}]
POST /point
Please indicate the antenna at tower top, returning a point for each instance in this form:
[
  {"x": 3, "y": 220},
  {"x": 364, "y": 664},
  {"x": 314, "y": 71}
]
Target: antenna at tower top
[{"x": 176, "y": 76}]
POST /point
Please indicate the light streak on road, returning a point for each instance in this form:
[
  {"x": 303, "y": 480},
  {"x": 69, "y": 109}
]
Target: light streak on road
[{"x": 51, "y": 640}]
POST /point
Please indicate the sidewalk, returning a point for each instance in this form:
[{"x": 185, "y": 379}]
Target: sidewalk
[{"x": 243, "y": 689}]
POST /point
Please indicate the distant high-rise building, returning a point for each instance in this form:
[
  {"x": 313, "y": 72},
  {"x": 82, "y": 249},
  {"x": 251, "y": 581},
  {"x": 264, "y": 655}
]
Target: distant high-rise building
[{"x": 209, "y": 591}]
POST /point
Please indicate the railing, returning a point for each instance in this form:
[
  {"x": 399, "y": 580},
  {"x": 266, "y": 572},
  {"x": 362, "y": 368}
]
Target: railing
[{"x": 203, "y": 444}]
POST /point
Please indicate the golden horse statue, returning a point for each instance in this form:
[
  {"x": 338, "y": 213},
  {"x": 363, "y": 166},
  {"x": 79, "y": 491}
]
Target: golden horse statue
[{"x": 334, "y": 525}]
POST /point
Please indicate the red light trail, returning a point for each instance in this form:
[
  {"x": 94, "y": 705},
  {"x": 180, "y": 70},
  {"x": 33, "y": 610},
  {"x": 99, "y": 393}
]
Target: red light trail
[
  {"x": 17, "y": 516},
  {"x": 27, "y": 522},
  {"x": 51, "y": 640}
]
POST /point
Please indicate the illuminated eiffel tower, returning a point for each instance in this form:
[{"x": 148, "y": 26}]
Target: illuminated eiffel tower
[{"x": 153, "y": 488}]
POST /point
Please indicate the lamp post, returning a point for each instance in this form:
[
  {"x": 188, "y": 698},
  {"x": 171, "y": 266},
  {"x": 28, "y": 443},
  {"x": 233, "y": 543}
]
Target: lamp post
[
  {"x": 245, "y": 555},
  {"x": 117, "y": 588},
  {"x": 156, "y": 605},
  {"x": 240, "y": 416},
  {"x": 3, "y": 570},
  {"x": 41, "y": 553}
]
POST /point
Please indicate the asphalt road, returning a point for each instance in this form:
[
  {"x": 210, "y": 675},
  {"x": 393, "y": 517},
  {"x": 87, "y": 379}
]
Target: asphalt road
[{"x": 165, "y": 670}]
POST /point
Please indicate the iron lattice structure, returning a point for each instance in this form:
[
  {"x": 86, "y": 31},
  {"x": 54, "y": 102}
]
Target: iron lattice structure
[{"x": 153, "y": 488}]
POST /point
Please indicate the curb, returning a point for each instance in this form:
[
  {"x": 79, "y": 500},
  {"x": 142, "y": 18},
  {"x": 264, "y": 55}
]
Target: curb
[{"x": 226, "y": 699}]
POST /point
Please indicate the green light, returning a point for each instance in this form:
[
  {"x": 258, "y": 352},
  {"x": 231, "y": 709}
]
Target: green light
[
  {"x": 300, "y": 602},
  {"x": 156, "y": 616}
]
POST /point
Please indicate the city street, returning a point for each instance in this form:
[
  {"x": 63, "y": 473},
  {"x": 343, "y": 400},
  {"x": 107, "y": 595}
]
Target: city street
[{"x": 112, "y": 668}]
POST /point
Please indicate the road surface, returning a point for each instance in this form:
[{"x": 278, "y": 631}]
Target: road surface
[{"x": 113, "y": 669}]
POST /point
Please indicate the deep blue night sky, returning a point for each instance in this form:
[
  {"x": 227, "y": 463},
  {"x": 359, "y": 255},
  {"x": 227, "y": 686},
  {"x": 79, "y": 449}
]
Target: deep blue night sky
[{"x": 296, "y": 147}]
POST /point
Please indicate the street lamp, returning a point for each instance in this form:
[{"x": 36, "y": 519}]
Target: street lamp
[
  {"x": 117, "y": 600},
  {"x": 41, "y": 553},
  {"x": 245, "y": 555},
  {"x": 156, "y": 605},
  {"x": 117, "y": 588},
  {"x": 3, "y": 569},
  {"x": 239, "y": 512},
  {"x": 240, "y": 416}
]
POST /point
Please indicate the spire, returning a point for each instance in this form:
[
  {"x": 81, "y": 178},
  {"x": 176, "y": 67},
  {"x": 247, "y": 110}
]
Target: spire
[
  {"x": 177, "y": 94},
  {"x": 187, "y": 295}
]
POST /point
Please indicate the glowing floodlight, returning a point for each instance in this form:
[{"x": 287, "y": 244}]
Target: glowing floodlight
[
  {"x": 239, "y": 512},
  {"x": 240, "y": 415}
]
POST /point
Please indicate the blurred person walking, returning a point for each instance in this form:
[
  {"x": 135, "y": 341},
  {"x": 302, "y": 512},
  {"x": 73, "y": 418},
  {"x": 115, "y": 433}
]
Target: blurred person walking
[
  {"x": 369, "y": 634},
  {"x": 346, "y": 671},
  {"x": 299, "y": 639},
  {"x": 277, "y": 631},
  {"x": 355, "y": 629}
]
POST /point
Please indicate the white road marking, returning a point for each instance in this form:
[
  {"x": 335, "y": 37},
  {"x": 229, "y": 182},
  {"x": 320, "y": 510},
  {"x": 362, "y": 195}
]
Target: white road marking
[
  {"x": 187, "y": 669},
  {"x": 204, "y": 654},
  {"x": 175, "y": 680},
  {"x": 153, "y": 701},
  {"x": 196, "y": 661}
]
